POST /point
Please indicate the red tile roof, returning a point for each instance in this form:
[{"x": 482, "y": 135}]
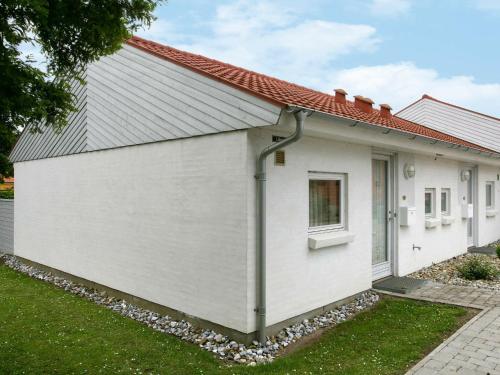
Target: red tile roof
[{"x": 284, "y": 93}]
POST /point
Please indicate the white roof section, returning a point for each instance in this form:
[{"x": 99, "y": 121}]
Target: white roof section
[{"x": 475, "y": 127}]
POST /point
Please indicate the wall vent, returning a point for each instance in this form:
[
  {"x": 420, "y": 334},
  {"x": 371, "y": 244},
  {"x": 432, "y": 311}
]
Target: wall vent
[{"x": 279, "y": 157}]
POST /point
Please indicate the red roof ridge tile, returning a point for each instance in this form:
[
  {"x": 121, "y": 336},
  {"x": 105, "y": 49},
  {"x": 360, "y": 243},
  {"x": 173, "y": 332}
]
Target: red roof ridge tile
[{"x": 284, "y": 93}]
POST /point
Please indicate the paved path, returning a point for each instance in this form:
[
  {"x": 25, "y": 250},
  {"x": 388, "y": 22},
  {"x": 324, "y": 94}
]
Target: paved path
[
  {"x": 461, "y": 295},
  {"x": 475, "y": 348}
]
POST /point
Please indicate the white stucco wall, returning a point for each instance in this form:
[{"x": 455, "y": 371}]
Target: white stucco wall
[
  {"x": 488, "y": 227},
  {"x": 444, "y": 241},
  {"x": 165, "y": 221},
  {"x": 300, "y": 279}
]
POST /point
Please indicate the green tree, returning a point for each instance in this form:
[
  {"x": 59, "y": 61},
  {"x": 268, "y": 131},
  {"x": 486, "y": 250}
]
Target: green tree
[{"x": 70, "y": 34}]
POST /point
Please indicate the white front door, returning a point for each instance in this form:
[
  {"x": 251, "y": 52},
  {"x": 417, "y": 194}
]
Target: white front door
[{"x": 382, "y": 217}]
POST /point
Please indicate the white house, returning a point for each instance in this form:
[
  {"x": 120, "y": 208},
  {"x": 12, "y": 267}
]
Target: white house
[{"x": 153, "y": 191}]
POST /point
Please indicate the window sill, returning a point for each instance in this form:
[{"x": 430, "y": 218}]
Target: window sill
[
  {"x": 328, "y": 239},
  {"x": 491, "y": 212},
  {"x": 432, "y": 222},
  {"x": 447, "y": 220}
]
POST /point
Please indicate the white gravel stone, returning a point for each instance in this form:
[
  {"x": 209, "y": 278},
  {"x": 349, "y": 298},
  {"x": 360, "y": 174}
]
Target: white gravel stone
[
  {"x": 206, "y": 339},
  {"x": 219, "y": 338}
]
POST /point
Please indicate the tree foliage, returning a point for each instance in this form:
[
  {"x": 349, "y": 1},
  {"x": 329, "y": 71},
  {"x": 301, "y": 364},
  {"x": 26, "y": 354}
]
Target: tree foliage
[{"x": 70, "y": 34}]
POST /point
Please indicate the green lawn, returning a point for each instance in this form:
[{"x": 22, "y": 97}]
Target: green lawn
[{"x": 46, "y": 330}]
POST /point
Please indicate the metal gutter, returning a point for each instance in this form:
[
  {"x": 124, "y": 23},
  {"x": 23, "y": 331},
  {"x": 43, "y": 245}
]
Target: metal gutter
[{"x": 489, "y": 153}]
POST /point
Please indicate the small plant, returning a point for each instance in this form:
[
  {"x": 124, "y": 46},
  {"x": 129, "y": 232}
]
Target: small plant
[
  {"x": 498, "y": 250},
  {"x": 7, "y": 194},
  {"x": 478, "y": 268}
]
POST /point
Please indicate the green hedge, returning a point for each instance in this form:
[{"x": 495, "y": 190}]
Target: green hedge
[{"x": 7, "y": 194}]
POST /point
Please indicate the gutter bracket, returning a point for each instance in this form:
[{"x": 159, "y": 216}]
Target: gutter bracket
[{"x": 260, "y": 177}]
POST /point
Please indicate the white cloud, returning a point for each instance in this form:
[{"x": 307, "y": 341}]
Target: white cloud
[
  {"x": 273, "y": 39},
  {"x": 402, "y": 83},
  {"x": 390, "y": 8}
]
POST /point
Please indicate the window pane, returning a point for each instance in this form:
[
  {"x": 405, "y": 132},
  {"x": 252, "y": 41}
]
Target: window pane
[
  {"x": 444, "y": 201},
  {"x": 489, "y": 202},
  {"x": 324, "y": 202},
  {"x": 428, "y": 203}
]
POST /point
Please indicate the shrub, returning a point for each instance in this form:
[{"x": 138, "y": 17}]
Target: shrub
[
  {"x": 498, "y": 250},
  {"x": 478, "y": 268},
  {"x": 7, "y": 194}
]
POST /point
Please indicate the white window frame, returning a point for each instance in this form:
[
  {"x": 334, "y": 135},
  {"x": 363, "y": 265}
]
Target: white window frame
[
  {"x": 432, "y": 191},
  {"x": 321, "y": 176},
  {"x": 492, "y": 184},
  {"x": 447, "y": 192}
]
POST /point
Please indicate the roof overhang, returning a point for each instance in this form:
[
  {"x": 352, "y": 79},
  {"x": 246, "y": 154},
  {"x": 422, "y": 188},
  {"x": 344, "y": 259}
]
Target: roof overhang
[{"x": 411, "y": 136}]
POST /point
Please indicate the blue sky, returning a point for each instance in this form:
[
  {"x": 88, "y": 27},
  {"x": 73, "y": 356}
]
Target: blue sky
[{"x": 390, "y": 50}]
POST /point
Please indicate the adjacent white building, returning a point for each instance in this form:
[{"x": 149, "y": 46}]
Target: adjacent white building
[
  {"x": 461, "y": 122},
  {"x": 151, "y": 190}
]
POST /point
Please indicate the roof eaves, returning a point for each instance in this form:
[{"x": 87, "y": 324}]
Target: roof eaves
[{"x": 471, "y": 146}]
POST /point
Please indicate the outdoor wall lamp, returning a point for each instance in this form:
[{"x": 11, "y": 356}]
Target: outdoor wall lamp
[
  {"x": 409, "y": 171},
  {"x": 465, "y": 175}
]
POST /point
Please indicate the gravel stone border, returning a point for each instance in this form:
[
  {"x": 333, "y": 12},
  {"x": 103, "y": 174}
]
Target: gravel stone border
[
  {"x": 222, "y": 347},
  {"x": 446, "y": 273}
]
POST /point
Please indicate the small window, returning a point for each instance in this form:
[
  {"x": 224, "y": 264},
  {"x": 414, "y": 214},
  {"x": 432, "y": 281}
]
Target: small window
[
  {"x": 445, "y": 202},
  {"x": 490, "y": 194},
  {"x": 430, "y": 202},
  {"x": 326, "y": 201}
]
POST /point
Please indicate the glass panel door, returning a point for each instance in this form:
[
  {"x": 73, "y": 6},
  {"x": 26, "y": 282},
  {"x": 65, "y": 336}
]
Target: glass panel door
[{"x": 380, "y": 210}]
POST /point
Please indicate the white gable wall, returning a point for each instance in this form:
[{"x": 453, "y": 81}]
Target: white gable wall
[
  {"x": 135, "y": 97},
  {"x": 132, "y": 97},
  {"x": 473, "y": 127},
  {"x": 71, "y": 140},
  {"x": 415, "y": 112}
]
